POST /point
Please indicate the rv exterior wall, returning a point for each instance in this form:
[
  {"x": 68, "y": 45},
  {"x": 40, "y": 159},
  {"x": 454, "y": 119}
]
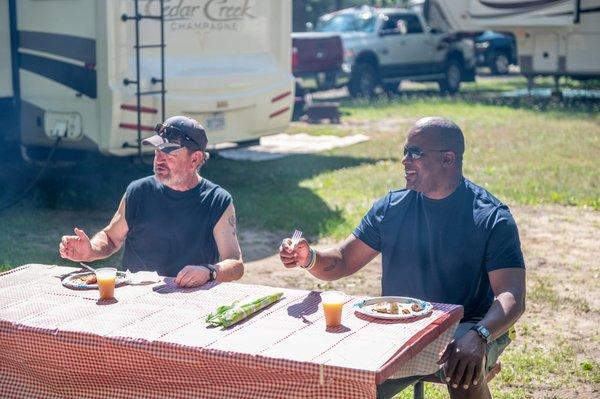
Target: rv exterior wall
[
  {"x": 228, "y": 64},
  {"x": 58, "y": 72},
  {"x": 225, "y": 63},
  {"x": 549, "y": 40},
  {"x": 6, "y": 88}
]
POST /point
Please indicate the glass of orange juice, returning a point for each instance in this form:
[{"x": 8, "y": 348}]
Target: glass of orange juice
[
  {"x": 333, "y": 301},
  {"x": 106, "y": 277}
]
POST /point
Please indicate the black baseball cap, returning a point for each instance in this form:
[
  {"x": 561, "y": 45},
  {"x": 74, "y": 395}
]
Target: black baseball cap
[{"x": 178, "y": 132}]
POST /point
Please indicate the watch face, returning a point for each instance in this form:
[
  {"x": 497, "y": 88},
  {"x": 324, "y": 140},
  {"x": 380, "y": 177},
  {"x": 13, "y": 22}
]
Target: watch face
[
  {"x": 212, "y": 272},
  {"x": 484, "y": 332}
]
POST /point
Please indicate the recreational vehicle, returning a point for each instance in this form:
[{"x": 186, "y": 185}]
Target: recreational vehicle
[
  {"x": 99, "y": 74},
  {"x": 554, "y": 37}
]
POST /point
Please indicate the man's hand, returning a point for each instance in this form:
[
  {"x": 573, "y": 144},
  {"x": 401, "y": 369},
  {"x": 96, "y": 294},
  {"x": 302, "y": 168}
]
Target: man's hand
[
  {"x": 77, "y": 248},
  {"x": 292, "y": 256},
  {"x": 464, "y": 360},
  {"x": 192, "y": 276}
]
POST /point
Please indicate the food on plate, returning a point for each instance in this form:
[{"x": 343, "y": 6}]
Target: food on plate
[
  {"x": 91, "y": 279},
  {"x": 390, "y": 307},
  {"x": 386, "y": 307},
  {"x": 415, "y": 307}
]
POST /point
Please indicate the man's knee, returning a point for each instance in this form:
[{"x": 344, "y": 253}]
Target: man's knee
[{"x": 474, "y": 391}]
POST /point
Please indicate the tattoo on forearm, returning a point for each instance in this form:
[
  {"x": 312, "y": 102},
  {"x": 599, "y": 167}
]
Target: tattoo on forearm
[{"x": 231, "y": 221}]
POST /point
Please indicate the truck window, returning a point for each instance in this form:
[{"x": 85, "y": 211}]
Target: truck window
[
  {"x": 364, "y": 22},
  {"x": 413, "y": 25},
  {"x": 393, "y": 24}
]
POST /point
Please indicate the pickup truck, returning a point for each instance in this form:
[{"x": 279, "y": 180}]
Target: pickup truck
[
  {"x": 316, "y": 64},
  {"x": 384, "y": 46},
  {"x": 317, "y": 59}
]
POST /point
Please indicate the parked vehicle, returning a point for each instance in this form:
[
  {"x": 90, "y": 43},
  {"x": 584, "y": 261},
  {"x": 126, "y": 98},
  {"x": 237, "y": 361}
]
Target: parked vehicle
[
  {"x": 496, "y": 50},
  {"x": 101, "y": 74},
  {"x": 555, "y": 38},
  {"x": 317, "y": 60},
  {"x": 383, "y": 46},
  {"x": 316, "y": 64}
]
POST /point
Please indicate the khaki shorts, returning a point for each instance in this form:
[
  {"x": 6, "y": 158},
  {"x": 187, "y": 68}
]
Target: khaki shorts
[{"x": 392, "y": 386}]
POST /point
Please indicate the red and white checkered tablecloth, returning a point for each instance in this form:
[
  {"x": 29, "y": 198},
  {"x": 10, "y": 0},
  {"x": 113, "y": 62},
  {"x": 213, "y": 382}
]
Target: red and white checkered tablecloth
[{"x": 153, "y": 342}]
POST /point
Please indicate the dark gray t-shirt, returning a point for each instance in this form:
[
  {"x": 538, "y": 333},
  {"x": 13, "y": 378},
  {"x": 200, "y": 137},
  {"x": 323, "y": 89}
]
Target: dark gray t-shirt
[
  {"x": 170, "y": 229},
  {"x": 442, "y": 250}
]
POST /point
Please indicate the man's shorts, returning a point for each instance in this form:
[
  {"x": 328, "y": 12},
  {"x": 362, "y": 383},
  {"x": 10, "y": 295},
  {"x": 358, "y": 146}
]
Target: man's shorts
[
  {"x": 392, "y": 386},
  {"x": 493, "y": 350}
]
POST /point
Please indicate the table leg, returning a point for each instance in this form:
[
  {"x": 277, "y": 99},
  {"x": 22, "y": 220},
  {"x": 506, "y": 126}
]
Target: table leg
[{"x": 419, "y": 390}]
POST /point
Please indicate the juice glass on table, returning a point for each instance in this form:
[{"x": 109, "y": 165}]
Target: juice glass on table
[
  {"x": 106, "y": 277},
  {"x": 333, "y": 301}
]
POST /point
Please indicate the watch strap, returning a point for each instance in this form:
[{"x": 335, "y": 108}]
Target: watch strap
[
  {"x": 483, "y": 332},
  {"x": 212, "y": 272}
]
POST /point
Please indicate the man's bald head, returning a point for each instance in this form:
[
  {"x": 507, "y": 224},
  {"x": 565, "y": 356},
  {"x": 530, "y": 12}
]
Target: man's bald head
[{"x": 441, "y": 132}]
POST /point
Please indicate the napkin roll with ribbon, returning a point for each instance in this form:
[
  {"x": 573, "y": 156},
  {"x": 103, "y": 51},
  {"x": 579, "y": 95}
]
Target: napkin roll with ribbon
[{"x": 228, "y": 315}]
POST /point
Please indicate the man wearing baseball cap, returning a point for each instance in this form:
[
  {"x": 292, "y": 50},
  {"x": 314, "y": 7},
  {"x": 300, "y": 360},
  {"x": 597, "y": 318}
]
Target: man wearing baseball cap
[{"x": 175, "y": 222}]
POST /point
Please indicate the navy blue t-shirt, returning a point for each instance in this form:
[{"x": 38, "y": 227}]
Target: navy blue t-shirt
[
  {"x": 170, "y": 229},
  {"x": 442, "y": 250}
]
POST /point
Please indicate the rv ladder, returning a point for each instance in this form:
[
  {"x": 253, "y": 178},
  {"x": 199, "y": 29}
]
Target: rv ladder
[{"x": 138, "y": 93}]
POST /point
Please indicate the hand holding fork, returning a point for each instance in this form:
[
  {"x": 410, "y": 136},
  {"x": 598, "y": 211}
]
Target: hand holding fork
[
  {"x": 296, "y": 238},
  {"x": 294, "y": 251}
]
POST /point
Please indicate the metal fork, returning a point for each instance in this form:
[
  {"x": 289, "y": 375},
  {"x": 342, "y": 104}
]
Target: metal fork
[
  {"x": 296, "y": 238},
  {"x": 88, "y": 267}
]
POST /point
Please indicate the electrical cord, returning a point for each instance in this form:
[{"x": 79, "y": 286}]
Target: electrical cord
[{"x": 34, "y": 182}]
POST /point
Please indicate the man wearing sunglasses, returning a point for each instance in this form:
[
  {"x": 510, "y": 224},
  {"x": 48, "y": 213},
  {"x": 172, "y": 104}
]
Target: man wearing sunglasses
[
  {"x": 442, "y": 239},
  {"x": 175, "y": 222}
]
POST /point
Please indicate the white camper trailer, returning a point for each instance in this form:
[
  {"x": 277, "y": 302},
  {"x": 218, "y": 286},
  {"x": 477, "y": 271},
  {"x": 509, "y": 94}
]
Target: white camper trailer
[
  {"x": 554, "y": 37},
  {"x": 94, "y": 74}
]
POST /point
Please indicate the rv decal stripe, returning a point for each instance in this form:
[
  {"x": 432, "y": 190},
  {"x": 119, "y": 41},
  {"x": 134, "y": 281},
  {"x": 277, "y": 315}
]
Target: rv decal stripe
[
  {"x": 133, "y": 126},
  {"x": 77, "y": 48},
  {"x": 281, "y": 96},
  {"x": 78, "y": 78},
  {"x": 590, "y": 10},
  {"x": 281, "y": 111},
  {"x": 519, "y": 4}
]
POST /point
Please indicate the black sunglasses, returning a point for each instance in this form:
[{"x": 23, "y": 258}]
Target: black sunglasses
[
  {"x": 172, "y": 134},
  {"x": 416, "y": 152}
]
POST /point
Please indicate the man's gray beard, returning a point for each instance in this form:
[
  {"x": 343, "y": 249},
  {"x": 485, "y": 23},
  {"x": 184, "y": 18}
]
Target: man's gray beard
[{"x": 169, "y": 181}]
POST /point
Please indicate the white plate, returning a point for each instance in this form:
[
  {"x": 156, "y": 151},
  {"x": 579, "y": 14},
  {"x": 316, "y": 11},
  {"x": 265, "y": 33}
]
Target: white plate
[
  {"x": 76, "y": 281},
  {"x": 365, "y": 307}
]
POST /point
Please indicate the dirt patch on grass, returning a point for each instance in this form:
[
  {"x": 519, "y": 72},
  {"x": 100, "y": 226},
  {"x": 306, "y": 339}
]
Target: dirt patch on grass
[{"x": 561, "y": 250}]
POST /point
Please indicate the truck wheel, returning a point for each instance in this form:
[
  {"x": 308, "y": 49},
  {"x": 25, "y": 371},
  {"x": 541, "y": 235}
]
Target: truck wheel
[
  {"x": 499, "y": 64},
  {"x": 363, "y": 82},
  {"x": 451, "y": 82}
]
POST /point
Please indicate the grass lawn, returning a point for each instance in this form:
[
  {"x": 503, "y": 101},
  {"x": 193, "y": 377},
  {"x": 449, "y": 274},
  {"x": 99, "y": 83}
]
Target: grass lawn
[{"x": 526, "y": 153}]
